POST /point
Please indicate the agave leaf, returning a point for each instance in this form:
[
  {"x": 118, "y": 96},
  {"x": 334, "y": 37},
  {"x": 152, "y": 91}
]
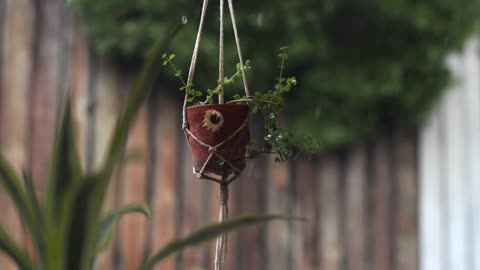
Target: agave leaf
[
  {"x": 65, "y": 166},
  {"x": 14, "y": 189},
  {"x": 105, "y": 230},
  {"x": 38, "y": 230},
  {"x": 207, "y": 233},
  {"x": 79, "y": 235},
  {"x": 88, "y": 198},
  {"x": 32, "y": 195},
  {"x": 13, "y": 186},
  {"x": 19, "y": 255}
]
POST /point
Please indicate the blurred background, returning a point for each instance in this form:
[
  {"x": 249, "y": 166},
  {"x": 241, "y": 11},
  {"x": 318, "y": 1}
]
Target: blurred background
[{"x": 389, "y": 90}]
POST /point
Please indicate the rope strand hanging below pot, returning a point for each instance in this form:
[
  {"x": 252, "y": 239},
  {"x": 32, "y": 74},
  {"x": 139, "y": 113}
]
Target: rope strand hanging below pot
[{"x": 219, "y": 121}]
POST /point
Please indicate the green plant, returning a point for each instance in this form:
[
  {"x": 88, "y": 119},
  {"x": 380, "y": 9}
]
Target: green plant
[
  {"x": 67, "y": 227},
  {"x": 269, "y": 104}
]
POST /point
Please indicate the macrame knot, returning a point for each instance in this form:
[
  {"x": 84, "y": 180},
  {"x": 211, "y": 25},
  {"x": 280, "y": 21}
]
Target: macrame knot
[
  {"x": 184, "y": 126},
  {"x": 212, "y": 150}
]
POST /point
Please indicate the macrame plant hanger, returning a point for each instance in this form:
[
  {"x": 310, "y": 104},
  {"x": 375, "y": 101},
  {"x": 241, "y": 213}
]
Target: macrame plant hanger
[{"x": 226, "y": 178}]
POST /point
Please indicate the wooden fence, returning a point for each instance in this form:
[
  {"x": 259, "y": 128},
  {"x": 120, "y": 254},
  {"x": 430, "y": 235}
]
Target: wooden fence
[{"x": 361, "y": 203}]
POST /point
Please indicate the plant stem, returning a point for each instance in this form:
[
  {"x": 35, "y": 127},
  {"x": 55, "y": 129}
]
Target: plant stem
[{"x": 221, "y": 248}]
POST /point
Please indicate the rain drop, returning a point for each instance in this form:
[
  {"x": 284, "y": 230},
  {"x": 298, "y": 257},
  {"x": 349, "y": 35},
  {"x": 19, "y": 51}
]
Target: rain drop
[{"x": 260, "y": 20}]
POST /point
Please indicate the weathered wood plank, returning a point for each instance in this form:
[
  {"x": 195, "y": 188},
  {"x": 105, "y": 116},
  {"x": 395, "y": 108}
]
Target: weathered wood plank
[
  {"x": 382, "y": 212},
  {"x": 250, "y": 249},
  {"x": 46, "y": 82},
  {"x": 98, "y": 100},
  {"x": 331, "y": 246},
  {"x": 277, "y": 232},
  {"x": 309, "y": 201},
  {"x": 17, "y": 62},
  {"x": 79, "y": 89},
  {"x": 295, "y": 251},
  {"x": 165, "y": 138},
  {"x": 355, "y": 209},
  {"x": 192, "y": 202},
  {"x": 406, "y": 187},
  {"x": 133, "y": 227}
]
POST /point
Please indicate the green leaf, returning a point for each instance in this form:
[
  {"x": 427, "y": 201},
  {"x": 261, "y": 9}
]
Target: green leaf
[
  {"x": 198, "y": 93},
  {"x": 82, "y": 209},
  {"x": 237, "y": 96},
  {"x": 12, "y": 185},
  {"x": 105, "y": 230},
  {"x": 170, "y": 57},
  {"x": 37, "y": 227},
  {"x": 18, "y": 254},
  {"x": 207, "y": 233},
  {"x": 65, "y": 166}
]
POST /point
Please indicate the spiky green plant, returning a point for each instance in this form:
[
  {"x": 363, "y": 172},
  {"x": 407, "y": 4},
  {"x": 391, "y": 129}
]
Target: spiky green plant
[{"x": 67, "y": 227}]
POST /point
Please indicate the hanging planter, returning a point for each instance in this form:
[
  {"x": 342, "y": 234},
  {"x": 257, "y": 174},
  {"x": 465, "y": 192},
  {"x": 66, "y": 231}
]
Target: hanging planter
[{"x": 218, "y": 136}]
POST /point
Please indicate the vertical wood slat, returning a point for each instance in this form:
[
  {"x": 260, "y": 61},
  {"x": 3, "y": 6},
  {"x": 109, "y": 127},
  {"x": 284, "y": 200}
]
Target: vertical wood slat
[
  {"x": 405, "y": 219},
  {"x": 382, "y": 211},
  {"x": 295, "y": 251},
  {"x": 246, "y": 187},
  {"x": 79, "y": 89},
  {"x": 164, "y": 200},
  {"x": 331, "y": 246},
  {"x": 472, "y": 144},
  {"x": 310, "y": 204},
  {"x": 453, "y": 115},
  {"x": 193, "y": 208},
  {"x": 133, "y": 227},
  {"x": 46, "y": 81},
  {"x": 17, "y": 55},
  {"x": 100, "y": 100},
  {"x": 355, "y": 213},
  {"x": 277, "y": 232}
]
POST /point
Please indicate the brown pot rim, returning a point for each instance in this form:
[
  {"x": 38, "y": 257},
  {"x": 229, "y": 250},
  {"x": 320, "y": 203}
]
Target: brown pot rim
[{"x": 216, "y": 105}]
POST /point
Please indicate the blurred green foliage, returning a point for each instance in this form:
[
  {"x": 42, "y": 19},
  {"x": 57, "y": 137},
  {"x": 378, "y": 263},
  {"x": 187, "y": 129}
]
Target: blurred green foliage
[{"x": 362, "y": 66}]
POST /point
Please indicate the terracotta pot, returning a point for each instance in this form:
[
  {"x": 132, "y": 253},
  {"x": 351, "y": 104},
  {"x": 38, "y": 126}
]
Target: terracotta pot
[{"x": 213, "y": 124}]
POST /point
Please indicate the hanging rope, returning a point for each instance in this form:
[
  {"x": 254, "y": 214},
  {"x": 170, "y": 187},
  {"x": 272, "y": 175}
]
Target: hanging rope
[
  {"x": 239, "y": 50},
  {"x": 221, "y": 71},
  {"x": 193, "y": 63},
  {"x": 221, "y": 53}
]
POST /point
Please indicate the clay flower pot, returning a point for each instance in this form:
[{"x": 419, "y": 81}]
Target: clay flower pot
[{"x": 214, "y": 124}]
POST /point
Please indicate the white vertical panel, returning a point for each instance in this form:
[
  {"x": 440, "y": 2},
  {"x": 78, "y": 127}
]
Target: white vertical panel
[
  {"x": 430, "y": 198},
  {"x": 454, "y": 128},
  {"x": 472, "y": 105},
  {"x": 449, "y": 171}
]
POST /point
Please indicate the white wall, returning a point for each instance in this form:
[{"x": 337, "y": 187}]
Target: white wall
[{"x": 450, "y": 171}]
